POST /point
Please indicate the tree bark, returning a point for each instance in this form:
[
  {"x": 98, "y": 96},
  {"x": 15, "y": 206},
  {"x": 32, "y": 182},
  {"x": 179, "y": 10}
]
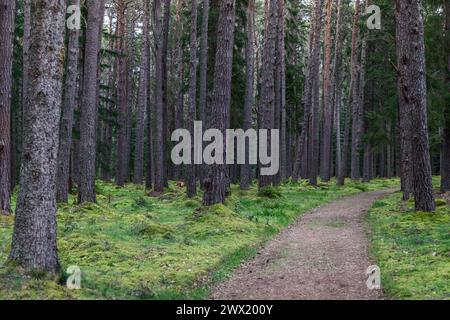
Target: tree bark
[
  {"x": 355, "y": 98},
  {"x": 34, "y": 239},
  {"x": 158, "y": 183},
  {"x": 142, "y": 98},
  {"x": 412, "y": 91},
  {"x": 215, "y": 183},
  {"x": 282, "y": 66},
  {"x": 327, "y": 105},
  {"x": 122, "y": 76},
  {"x": 191, "y": 183},
  {"x": 7, "y": 15},
  {"x": 89, "y": 100},
  {"x": 314, "y": 94},
  {"x": 68, "y": 107},
  {"x": 249, "y": 89},
  {"x": 267, "y": 106},
  {"x": 445, "y": 164}
]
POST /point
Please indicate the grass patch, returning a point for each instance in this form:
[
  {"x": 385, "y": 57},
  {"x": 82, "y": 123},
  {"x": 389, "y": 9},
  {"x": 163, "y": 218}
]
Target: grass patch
[
  {"x": 411, "y": 248},
  {"x": 133, "y": 246}
]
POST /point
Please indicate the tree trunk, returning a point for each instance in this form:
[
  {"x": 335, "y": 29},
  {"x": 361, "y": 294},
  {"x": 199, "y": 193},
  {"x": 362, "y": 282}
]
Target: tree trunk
[
  {"x": 355, "y": 99},
  {"x": 412, "y": 92},
  {"x": 89, "y": 100},
  {"x": 122, "y": 75},
  {"x": 34, "y": 239},
  {"x": 445, "y": 164},
  {"x": 191, "y": 183},
  {"x": 249, "y": 89},
  {"x": 204, "y": 71},
  {"x": 282, "y": 66},
  {"x": 68, "y": 107},
  {"x": 158, "y": 184},
  {"x": 327, "y": 105},
  {"x": 215, "y": 183},
  {"x": 345, "y": 146},
  {"x": 142, "y": 99},
  {"x": 337, "y": 84},
  {"x": 7, "y": 14},
  {"x": 267, "y": 106},
  {"x": 314, "y": 80}
]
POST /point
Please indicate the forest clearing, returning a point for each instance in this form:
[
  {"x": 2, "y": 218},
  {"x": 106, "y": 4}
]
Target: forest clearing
[{"x": 224, "y": 150}]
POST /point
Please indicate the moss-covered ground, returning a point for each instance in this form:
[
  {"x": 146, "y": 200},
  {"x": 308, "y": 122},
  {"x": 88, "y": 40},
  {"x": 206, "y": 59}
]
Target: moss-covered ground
[
  {"x": 411, "y": 248},
  {"x": 133, "y": 246}
]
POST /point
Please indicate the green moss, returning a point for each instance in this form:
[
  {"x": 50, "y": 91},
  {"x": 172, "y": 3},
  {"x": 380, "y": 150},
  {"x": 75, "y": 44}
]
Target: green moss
[
  {"x": 411, "y": 248},
  {"x": 134, "y": 246},
  {"x": 270, "y": 192}
]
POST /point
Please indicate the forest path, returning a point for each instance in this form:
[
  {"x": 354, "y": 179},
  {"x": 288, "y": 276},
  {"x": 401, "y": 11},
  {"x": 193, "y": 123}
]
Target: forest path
[{"x": 324, "y": 255}]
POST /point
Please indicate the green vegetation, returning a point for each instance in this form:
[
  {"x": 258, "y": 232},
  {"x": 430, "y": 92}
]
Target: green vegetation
[
  {"x": 411, "y": 248},
  {"x": 131, "y": 246}
]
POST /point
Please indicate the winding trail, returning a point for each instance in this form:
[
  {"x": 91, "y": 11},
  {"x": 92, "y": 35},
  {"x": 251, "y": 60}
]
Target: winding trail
[{"x": 324, "y": 255}]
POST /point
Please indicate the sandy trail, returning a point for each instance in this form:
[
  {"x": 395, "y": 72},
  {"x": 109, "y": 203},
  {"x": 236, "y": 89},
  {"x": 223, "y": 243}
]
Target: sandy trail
[{"x": 324, "y": 255}]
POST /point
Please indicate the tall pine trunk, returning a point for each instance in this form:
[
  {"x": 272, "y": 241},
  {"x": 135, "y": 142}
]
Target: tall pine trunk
[
  {"x": 355, "y": 96},
  {"x": 34, "y": 239},
  {"x": 314, "y": 96},
  {"x": 89, "y": 108},
  {"x": 282, "y": 66},
  {"x": 337, "y": 84},
  {"x": 68, "y": 107},
  {"x": 246, "y": 174},
  {"x": 267, "y": 104},
  {"x": 412, "y": 90},
  {"x": 215, "y": 182},
  {"x": 327, "y": 105},
  {"x": 142, "y": 98},
  {"x": 191, "y": 183},
  {"x": 445, "y": 164},
  {"x": 122, "y": 76},
  {"x": 7, "y": 14}
]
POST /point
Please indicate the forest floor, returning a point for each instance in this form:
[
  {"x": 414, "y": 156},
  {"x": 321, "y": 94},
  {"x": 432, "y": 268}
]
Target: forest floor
[
  {"x": 130, "y": 245},
  {"x": 322, "y": 256}
]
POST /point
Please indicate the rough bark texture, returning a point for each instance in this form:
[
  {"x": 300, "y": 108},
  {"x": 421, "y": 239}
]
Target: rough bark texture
[
  {"x": 445, "y": 164},
  {"x": 327, "y": 106},
  {"x": 249, "y": 88},
  {"x": 34, "y": 238},
  {"x": 122, "y": 76},
  {"x": 179, "y": 77},
  {"x": 68, "y": 107},
  {"x": 142, "y": 99},
  {"x": 215, "y": 183},
  {"x": 267, "y": 106},
  {"x": 165, "y": 97},
  {"x": 355, "y": 100},
  {"x": 191, "y": 183},
  {"x": 89, "y": 100},
  {"x": 282, "y": 66},
  {"x": 314, "y": 96},
  {"x": 337, "y": 84},
  {"x": 158, "y": 183},
  {"x": 203, "y": 90},
  {"x": 412, "y": 90},
  {"x": 7, "y": 13}
]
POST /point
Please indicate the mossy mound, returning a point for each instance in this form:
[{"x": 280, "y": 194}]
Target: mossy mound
[
  {"x": 149, "y": 228},
  {"x": 270, "y": 192}
]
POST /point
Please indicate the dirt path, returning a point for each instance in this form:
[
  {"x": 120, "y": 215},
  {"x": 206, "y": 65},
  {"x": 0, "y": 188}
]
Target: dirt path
[{"x": 322, "y": 256}]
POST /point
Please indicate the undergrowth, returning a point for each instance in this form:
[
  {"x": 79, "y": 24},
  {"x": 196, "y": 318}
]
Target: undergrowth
[
  {"x": 133, "y": 246},
  {"x": 411, "y": 248}
]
